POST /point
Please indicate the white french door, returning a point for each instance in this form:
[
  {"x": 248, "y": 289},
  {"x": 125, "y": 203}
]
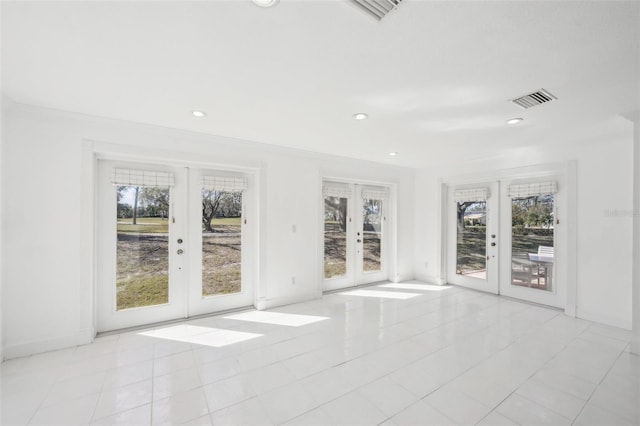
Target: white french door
[
  {"x": 535, "y": 239},
  {"x": 503, "y": 237},
  {"x": 472, "y": 249},
  {"x": 172, "y": 242},
  {"x": 355, "y": 234}
]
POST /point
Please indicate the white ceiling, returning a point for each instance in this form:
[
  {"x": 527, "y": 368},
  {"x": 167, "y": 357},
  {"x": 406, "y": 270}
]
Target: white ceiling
[{"x": 435, "y": 77}]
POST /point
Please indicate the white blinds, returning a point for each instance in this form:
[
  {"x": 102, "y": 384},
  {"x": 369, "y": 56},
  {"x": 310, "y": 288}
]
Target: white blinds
[
  {"x": 375, "y": 193},
  {"x": 523, "y": 190},
  {"x": 330, "y": 189},
  {"x": 224, "y": 183},
  {"x": 471, "y": 194},
  {"x": 132, "y": 177}
]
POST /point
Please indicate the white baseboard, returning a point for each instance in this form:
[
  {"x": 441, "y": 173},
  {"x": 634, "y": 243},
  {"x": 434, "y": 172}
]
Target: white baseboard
[
  {"x": 429, "y": 279},
  {"x": 83, "y": 337},
  {"x": 287, "y": 300},
  {"x": 601, "y": 319},
  {"x": 399, "y": 278}
]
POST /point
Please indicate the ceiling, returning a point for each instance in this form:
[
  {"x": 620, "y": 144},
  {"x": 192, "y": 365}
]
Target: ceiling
[{"x": 435, "y": 77}]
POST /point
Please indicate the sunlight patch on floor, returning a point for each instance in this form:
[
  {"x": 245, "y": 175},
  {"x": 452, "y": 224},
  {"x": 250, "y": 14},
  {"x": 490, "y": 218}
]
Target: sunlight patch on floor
[
  {"x": 198, "y": 335},
  {"x": 426, "y": 287},
  {"x": 277, "y": 318},
  {"x": 382, "y": 294}
]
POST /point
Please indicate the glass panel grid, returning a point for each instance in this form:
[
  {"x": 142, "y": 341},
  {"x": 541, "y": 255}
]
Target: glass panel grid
[
  {"x": 372, "y": 221},
  {"x": 532, "y": 241},
  {"x": 221, "y": 242},
  {"x": 471, "y": 241},
  {"x": 335, "y": 236},
  {"x": 142, "y": 253}
]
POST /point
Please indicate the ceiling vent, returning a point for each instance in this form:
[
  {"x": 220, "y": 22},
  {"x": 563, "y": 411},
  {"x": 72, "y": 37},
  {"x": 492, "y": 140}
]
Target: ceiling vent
[
  {"x": 533, "y": 99},
  {"x": 377, "y": 9}
]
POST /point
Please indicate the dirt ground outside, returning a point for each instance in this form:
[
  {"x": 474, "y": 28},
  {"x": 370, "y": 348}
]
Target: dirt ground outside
[
  {"x": 471, "y": 249},
  {"x": 222, "y": 261},
  {"x": 143, "y": 262},
  {"x": 335, "y": 252}
]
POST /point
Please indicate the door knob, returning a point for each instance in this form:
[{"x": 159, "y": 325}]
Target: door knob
[
  {"x": 359, "y": 241},
  {"x": 180, "y": 251},
  {"x": 493, "y": 244}
]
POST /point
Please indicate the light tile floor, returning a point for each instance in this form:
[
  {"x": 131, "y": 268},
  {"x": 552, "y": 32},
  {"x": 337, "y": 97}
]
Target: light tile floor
[{"x": 394, "y": 355}]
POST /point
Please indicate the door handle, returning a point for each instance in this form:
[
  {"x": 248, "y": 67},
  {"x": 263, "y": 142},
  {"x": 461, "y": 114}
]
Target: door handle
[
  {"x": 180, "y": 251},
  {"x": 359, "y": 241},
  {"x": 493, "y": 244}
]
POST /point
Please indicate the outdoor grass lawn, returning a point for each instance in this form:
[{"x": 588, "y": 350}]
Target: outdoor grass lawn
[
  {"x": 159, "y": 225},
  {"x": 143, "y": 261},
  {"x": 471, "y": 249},
  {"x": 335, "y": 252}
]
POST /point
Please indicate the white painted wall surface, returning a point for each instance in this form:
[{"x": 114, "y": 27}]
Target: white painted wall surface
[
  {"x": 604, "y": 194},
  {"x": 48, "y": 295},
  {"x": 635, "y": 341}
]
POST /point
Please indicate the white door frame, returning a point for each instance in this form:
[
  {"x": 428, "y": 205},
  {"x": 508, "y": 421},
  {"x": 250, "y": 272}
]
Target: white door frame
[
  {"x": 555, "y": 297},
  {"x": 355, "y": 277},
  {"x": 92, "y": 152},
  {"x": 565, "y": 172},
  {"x": 109, "y": 318},
  {"x": 491, "y": 282},
  {"x": 197, "y": 303}
]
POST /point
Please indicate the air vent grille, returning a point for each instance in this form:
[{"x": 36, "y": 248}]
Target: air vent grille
[
  {"x": 533, "y": 99},
  {"x": 377, "y": 9}
]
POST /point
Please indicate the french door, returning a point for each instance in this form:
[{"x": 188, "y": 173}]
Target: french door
[
  {"x": 473, "y": 236},
  {"x": 173, "y": 242},
  {"x": 533, "y": 269},
  {"x": 355, "y": 234},
  {"x": 502, "y": 238}
]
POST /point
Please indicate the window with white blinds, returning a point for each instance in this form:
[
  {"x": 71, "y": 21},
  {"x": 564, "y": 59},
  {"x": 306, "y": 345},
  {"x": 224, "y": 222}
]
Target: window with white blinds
[
  {"x": 224, "y": 183},
  {"x": 132, "y": 177},
  {"x": 471, "y": 194},
  {"x": 375, "y": 193},
  {"x": 331, "y": 189},
  {"x": 523, "y": 190}
]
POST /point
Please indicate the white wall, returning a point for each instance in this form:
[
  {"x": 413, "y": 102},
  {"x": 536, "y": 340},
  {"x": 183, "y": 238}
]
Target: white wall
[
  {"x": 604, "y": 199},
  {"x": 2, "y": 104},
  {"x": 635, "y": 341},
  {"x": 48, "y": 292}
]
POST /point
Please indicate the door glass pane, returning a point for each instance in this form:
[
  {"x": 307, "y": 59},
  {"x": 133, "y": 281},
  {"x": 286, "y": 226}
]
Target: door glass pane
[
  {"x": 471, "y": 242},
  {"x": 372, "y": 234},
  {"x": 335, "y": 236},
  {"x": 221, "y": 242},
  {"x": 142, "y": 255},
  {"x": 532, "y": 250}
]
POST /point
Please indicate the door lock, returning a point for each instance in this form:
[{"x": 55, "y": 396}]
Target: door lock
[
  {"x": 493, "y": 244},
  {"x": 359, "y": 241},
  {"x": 179, "y": 240}
]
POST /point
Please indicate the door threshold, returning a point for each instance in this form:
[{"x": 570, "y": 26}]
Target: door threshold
[{"x": 173, "y": 321}]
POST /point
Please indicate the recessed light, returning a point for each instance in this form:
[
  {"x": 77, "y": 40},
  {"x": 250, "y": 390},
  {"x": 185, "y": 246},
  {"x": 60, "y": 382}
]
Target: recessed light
[
  {"x": 514, "y": 120},
  {"x": 199, "y": 114},
  {"x": 360, "y": 116},
  {"x": 393, "y": 154},
  {"x": 265, "y": 3}
]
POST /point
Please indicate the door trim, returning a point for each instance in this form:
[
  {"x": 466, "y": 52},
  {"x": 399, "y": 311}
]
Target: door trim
[
  {"x": 491, "y": 283},
  {"x": 94, "y": 150},
  {"x": 390, "y": 270},
  {"x": 568, "y": 170}
]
